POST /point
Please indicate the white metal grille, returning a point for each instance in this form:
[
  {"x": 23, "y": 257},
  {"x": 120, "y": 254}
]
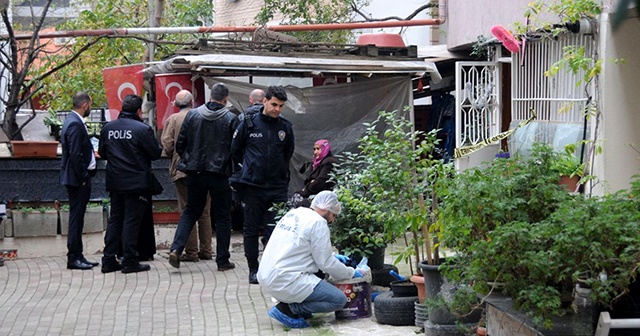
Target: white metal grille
[
  {"x": 558, "y": 98},
  {"x": 477, "y": 102}
]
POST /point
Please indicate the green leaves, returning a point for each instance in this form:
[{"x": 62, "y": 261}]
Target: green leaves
[
  {"x": 84, "y": 74},
  {"x": 390, "y": 179}
]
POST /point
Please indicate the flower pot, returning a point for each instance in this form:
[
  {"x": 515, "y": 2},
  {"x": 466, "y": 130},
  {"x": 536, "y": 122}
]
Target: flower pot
[
  {"x": 171, "y": 217},
  {"x": 34, "y": 149},
  {"x": 403, "y": 288},
  {"x": 93, "y": 221},
  {"x": 422, "y": 314},
  {"x": 418, "y": 279},
  {"x": 569, "y": 183},
  {"x": 34, "y": 223}
]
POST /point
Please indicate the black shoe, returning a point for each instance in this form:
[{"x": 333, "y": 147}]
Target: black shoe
[
  {"x": 189, "y": 258},
  {"x": 174, "y": 259},
  {"x": 78, "y": 264},
  {"x": 113, "y": 266},
  {"x": 205, "y": 255},
  {"x": 225, "y": 267},
  {"x": 135, "y": 268},
  {"x": 253, "y": 277},
  {"x": 92, "y": 263}
]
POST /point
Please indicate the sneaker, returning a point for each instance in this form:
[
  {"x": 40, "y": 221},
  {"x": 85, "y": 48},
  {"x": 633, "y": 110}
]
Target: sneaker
[
  {"x": 174, "y": 259},
  {"x": 189, "y": 258},
  {"x": 225, "y": 267},
  {"x": 253, "y": 277},
  {"x": 135, "y": 268},
  {"x": 289, "y": 322},
  {"x": 205, "y": 255}
]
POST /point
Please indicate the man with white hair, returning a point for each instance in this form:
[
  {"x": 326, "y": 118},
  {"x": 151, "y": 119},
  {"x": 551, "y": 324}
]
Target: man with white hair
[{"x": 298, "y": 248}]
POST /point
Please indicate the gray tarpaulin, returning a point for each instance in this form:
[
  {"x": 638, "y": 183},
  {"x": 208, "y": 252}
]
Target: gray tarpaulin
[{"x": 332, "y": 112}]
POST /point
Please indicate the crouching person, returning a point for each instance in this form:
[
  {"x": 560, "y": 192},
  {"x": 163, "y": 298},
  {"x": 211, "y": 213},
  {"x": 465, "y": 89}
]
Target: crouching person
[{"x": 298, "y": 248}]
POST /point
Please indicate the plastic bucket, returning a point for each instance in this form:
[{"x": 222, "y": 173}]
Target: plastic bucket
[{"x": 358, "y": 293}]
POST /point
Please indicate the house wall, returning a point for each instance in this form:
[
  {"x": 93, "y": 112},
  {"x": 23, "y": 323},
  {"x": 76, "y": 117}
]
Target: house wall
[
  {"x": 620, "y": 104},
  {"x": 236, "y": 13}
]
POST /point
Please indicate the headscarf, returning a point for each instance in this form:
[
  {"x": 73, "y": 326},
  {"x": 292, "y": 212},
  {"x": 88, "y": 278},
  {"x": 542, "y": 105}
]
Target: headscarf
[{"x": 325, "y": 149}]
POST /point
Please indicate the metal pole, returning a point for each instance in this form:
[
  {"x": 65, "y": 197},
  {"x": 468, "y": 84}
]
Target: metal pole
[{"x": 230, "y": 29}]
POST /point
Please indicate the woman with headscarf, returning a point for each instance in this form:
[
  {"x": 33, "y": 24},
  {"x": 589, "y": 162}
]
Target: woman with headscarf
[{"x": 318, "y": 180}]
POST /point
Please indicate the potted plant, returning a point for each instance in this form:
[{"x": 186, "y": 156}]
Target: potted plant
[
  {"x": 53, "y": 123},
  {"x": 356, "y": 233},
  {"x": 93, "y": 218},
  {"x": 510, "y": 222},
  {"x": 34, "y": 221},
  {"x": 569, "y": 167},
  {"x": 165, "y": 215}
]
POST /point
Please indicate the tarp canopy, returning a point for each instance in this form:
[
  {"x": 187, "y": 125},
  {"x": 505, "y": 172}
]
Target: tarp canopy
[{"x": 333, "y": 112}]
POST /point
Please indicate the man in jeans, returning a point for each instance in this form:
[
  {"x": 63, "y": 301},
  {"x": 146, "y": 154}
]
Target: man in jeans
[
  {"x": 192, "y": 252},
  {"x": 204, "y": 145}
]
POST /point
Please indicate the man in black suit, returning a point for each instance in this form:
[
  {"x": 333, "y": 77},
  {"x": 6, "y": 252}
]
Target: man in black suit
[{"x": 77, "y": 168}]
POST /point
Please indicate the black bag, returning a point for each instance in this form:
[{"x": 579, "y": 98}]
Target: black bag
[{"x": 156, "y": 186}]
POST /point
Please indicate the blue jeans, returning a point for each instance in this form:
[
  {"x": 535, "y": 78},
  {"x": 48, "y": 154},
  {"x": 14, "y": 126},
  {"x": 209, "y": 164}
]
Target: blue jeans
[
  {"x": 198, "y": 186},
  {"x": 325, "y": 298}
]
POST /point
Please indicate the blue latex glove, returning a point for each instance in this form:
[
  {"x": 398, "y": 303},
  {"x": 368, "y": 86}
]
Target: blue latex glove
[
  {"x": 343, "y": 258},
  {"x": 358, "y": 274}
]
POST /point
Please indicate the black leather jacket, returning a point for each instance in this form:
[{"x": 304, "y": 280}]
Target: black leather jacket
[
  {"x": 129, "y": 146},
  {"x": 264, "y": 146},
  {"x": 204, "y": 141}
]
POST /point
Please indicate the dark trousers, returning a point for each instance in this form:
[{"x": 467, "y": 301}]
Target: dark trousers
[
  {"x": 78, "y": 199},
  {"x": 217, "y": 186},
  {"x": 127, "y": 212},
  {"x": 257, "y": 216}
]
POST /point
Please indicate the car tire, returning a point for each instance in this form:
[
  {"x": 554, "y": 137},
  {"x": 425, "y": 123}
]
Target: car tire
[
  {"x": 398, "y": 311},
  {"x": 381, "y": 277}
]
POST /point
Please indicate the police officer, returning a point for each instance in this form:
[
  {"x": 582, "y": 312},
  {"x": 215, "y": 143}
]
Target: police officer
[
  {"x": 264, "y": 143},
  {"x": 129, "y": 146}
]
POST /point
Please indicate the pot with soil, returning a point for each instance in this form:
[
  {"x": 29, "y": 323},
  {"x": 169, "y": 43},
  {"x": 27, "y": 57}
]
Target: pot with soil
[{"x": 403, "y": 288}]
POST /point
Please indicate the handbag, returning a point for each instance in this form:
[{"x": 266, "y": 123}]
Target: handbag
[{"x": 156, "y": 186}]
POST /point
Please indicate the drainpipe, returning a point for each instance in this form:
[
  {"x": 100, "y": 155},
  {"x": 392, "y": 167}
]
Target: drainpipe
[
  {"x": 237, "y": 29},
  {"x": 442, "y": 17}
]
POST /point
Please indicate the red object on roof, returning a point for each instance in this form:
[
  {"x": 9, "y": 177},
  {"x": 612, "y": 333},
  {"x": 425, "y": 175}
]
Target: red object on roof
[{"x": 381, "y": 40}]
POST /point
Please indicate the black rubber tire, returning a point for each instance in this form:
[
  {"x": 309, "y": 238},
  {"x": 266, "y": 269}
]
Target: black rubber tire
[
  {"x": 398, "y": 311},
  {"x": 381, "y": 277}
]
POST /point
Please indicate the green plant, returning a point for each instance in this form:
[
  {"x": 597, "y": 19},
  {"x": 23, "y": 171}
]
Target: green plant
[
  {"x": 396, "y": 172},
  {"x": 567, "y": 163},
  {"x": 489, "y": 217},
  {"x": 52, "y": 119},
  {"x": 356, "y": 231},
  {"x": 41, "y": 209},
  {"x": 65, "y": 206},
  {"x": 511, "y": 223},
  {"x": 164, "y": 209}
]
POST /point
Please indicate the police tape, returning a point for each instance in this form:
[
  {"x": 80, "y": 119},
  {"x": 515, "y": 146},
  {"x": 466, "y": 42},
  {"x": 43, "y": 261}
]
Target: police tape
[{"x": 462, "y": 151}]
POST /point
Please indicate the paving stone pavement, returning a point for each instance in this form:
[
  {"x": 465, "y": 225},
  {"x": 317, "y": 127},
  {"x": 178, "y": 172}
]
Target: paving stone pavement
[{"x": 40, "y": 296}]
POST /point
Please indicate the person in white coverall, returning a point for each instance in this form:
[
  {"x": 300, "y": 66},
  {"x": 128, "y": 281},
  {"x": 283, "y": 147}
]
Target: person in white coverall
[{"x": 298, "y": 248}]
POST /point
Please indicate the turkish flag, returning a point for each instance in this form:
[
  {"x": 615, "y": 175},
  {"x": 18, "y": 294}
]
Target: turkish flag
[
  {"x": 167, "y": 86},
  {"x": 119, "y": 82}
]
